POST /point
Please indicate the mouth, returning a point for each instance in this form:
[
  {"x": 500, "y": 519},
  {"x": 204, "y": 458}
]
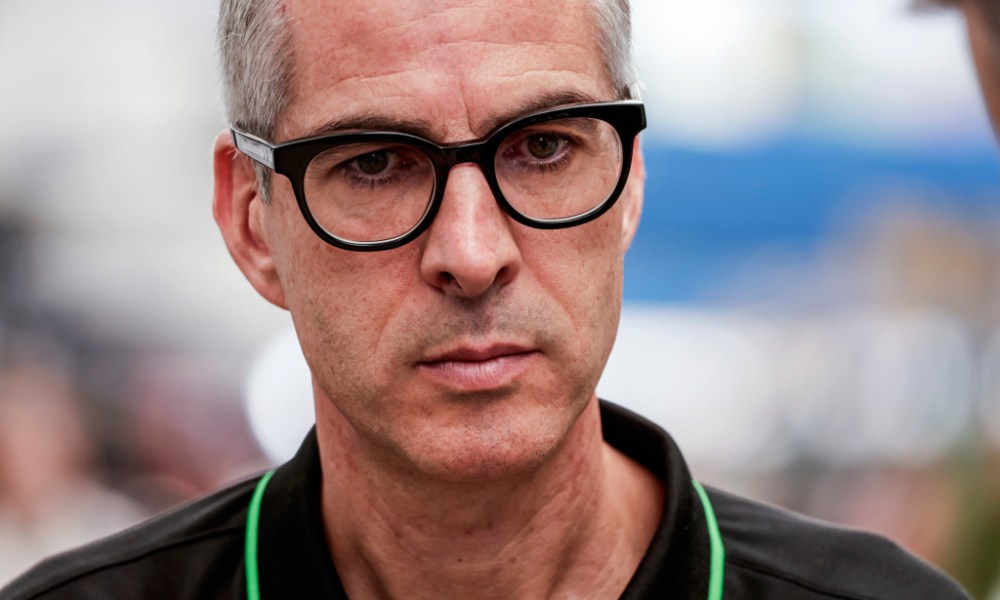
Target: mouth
[
  {"x": 478, "y": 354},
  {"x": 478, "y": 368}
]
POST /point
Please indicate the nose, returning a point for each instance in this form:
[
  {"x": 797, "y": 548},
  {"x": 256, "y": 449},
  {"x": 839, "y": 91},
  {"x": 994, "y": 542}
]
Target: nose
[{"x": 470, "y": 247}]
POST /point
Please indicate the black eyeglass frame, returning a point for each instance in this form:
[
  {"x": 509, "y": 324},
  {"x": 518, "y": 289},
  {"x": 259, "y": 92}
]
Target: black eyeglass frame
[{"x": 291, "y": 159}]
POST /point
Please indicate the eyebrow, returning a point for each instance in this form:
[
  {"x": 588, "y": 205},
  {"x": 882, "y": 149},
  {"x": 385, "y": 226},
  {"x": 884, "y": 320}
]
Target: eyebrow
[
  {"x": 549, "y": 100},
  {"x": 423, "y": 128}
]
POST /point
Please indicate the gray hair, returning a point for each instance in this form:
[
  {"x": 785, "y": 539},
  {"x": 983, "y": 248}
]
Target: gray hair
[
  {"x": 257, "y": 63},
  {"x": 614, "y": 36}
]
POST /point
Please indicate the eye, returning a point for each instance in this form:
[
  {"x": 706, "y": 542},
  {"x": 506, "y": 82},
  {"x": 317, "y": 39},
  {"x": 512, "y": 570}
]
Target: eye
[
  {"x": 372, "y": 163},
  {"x": 538, "y": 148},
  {"x": 543, "y": 145}
]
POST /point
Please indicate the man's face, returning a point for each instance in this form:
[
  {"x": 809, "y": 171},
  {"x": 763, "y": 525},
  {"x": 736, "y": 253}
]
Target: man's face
[{"x": 469, "y": 352}]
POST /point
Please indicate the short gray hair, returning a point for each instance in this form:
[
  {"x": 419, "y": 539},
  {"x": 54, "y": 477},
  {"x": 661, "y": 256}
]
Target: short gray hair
[
  {"x": 257, "y": 63},
  {"x": 614, "y": 31}
]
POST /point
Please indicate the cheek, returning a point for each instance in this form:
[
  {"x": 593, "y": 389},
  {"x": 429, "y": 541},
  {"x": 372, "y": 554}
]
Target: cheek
[
  {"x": 324, "y": 281},
  {"x": 342, "y": 304},
  {"x": 582, "y": 270},
  {"x": 590, "y": 254},
  {"x": 596, "y": 290}
]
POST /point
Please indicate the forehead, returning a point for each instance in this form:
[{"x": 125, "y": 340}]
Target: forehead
[{"x": 452, "y": 64}]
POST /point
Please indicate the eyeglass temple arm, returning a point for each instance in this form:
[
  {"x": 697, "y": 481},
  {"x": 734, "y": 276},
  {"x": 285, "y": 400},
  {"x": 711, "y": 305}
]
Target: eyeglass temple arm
[{"x": 254, "y": 147}]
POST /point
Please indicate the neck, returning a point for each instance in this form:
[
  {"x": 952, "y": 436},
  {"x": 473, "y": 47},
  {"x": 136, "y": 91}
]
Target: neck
[{"x": 577, "y": 526}]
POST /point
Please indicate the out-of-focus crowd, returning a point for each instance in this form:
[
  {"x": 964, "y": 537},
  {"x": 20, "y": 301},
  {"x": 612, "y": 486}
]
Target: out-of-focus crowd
[{"x": 87, "y": 451}]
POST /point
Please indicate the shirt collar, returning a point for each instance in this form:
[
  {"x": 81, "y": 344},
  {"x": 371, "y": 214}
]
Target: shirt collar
[
  {"x": 677, "y": 563},
  {"x": 294, "y": 560}
]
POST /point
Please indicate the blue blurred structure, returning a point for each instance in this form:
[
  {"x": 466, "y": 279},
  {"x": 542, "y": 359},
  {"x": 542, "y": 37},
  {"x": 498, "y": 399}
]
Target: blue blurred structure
[{"x": 708, "y": 212}]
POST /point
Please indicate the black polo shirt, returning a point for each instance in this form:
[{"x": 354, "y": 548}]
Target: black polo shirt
[{"x": 197, "y": 549}]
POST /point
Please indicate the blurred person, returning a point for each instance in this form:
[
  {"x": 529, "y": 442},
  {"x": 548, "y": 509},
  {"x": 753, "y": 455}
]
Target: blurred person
[
  {"x": 460, "y": 182},
  {"x": 49, "y": 498},
  {"x": 983, "y": 21}
]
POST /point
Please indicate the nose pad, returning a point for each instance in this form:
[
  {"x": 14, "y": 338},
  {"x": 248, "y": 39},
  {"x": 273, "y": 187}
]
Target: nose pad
[
  {"x": 470, "y": 246},
  {"x": 464, "y": 154}
]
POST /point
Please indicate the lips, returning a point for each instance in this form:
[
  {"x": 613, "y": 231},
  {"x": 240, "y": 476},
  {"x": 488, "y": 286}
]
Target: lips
[
  {"x": 478, "y": 368},
  {"x": 473, "y": 354}
]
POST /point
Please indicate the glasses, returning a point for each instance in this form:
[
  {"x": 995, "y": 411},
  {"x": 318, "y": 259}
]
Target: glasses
[{"x": 377, "y": 190}]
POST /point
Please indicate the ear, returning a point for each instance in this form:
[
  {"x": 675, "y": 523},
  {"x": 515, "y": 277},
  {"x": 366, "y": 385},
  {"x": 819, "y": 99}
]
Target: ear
[
  {"x": 239, "y": 213},
  {"x": 633, "y": 195}
]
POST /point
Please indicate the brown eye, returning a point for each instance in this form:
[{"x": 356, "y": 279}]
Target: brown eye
[
  {"x": 543, "y": 145},
  {"x": 373, "y": 163}
]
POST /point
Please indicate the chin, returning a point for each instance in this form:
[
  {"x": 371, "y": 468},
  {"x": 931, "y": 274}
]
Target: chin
[
  {"x": 469, "y": 464},
  {"x": 488, "y": 448}
]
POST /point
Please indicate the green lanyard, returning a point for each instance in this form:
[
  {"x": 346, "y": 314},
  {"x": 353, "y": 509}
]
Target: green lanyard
[
  {"x": 253, "y": 526},
  {"x": 718, "y": 558}
]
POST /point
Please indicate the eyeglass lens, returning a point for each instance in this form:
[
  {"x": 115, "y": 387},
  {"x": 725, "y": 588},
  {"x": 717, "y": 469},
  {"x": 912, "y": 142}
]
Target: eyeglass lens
[{"x": 371, "y": 191}]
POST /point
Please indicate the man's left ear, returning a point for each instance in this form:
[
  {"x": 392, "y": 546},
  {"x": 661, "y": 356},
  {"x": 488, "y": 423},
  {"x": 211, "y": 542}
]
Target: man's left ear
[{"x": 633, "y": 195}]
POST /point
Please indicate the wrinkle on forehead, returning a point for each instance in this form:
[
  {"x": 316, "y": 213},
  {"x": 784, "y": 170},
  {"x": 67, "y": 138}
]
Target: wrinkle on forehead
[
  {"x": 389, "y": 55},
  {"x": 407, "y": 25},
  {"x": 437, "y": 22}
]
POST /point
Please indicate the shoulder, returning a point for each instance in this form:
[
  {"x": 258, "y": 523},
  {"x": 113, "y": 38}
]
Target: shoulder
[
  {"x": 173, "y": 555},
  {"x": 771, "y": 552}
]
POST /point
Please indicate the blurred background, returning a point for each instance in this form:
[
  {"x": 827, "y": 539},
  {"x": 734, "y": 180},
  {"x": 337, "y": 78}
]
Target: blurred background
[{"x": 812, "y": 304}]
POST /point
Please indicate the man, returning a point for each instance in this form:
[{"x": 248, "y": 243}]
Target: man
[{"x": 456, "y": 301}]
